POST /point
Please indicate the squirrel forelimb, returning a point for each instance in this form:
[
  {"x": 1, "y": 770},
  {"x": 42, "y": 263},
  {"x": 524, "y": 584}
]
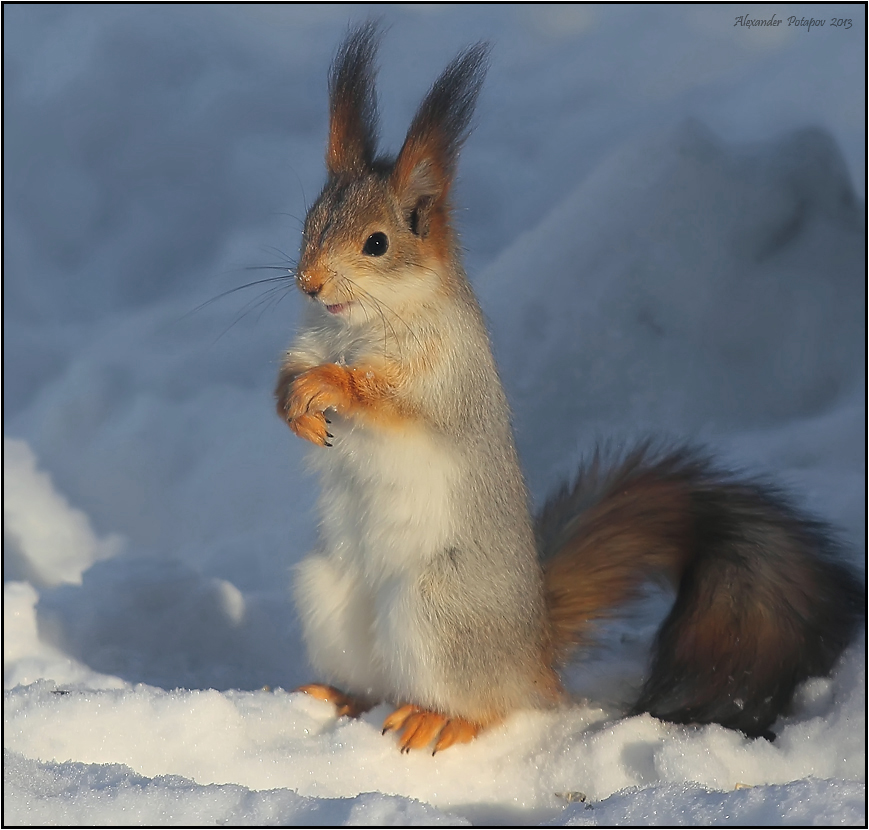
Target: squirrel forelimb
[{"x": 303, "y": 397}]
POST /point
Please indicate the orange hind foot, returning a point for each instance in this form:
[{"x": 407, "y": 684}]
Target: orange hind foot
[
  {"x": 352, "y": 707},
  {"x": 418, "y": 728}
]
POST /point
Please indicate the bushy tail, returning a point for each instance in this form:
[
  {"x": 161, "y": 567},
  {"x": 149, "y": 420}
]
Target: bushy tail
[{"x": 763, "y": 600}]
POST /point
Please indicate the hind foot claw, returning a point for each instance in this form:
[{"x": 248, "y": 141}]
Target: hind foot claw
[
  {"x": 418, "y": 728},
  {"x": 352, "y": 707}
]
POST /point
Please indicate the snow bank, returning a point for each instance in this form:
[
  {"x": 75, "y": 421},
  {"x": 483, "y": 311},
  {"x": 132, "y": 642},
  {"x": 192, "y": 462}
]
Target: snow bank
[
  {"x": 45, "y": 541},
  {"x": 812, "y": 803},
  {"x": 685, "y": 283},
  {"x": 89, "y": 748},
  {"x": 72, "y": 794}
]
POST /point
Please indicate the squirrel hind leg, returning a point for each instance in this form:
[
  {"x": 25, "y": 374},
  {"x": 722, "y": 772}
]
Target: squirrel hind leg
[
  {"x": 344, "y": 704},
  {"x": 418, "y": 728}
]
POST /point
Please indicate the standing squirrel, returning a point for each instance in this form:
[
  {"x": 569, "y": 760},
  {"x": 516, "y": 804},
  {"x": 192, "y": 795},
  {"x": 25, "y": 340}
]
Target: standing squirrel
[{"x": 432, "y": 586}]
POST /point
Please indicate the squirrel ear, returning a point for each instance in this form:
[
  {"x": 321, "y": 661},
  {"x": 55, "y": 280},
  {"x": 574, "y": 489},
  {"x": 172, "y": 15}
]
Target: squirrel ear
[
  {"x": 353, "y": 103},
  {"x": 426, "y": 165}
]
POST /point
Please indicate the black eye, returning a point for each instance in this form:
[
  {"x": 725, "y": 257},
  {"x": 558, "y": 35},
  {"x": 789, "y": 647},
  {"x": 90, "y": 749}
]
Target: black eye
[{"x": 376, "y": 244}]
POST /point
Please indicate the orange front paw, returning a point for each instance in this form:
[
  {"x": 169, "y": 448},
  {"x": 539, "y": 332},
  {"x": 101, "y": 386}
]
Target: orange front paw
[
  {"x": 304, "y": 401},
  {"x": 313, "y": 428},
  {"x": 419, "y": 727}
]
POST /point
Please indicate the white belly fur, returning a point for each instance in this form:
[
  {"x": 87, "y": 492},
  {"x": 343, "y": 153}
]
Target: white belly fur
[{"x": 386, "y": 510}]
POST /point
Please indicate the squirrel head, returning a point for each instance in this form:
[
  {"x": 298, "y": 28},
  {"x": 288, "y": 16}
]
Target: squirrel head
[{"x": 379, "y": 234}]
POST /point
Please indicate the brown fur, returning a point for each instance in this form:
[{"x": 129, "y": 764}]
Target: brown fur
[
  {"x": 613, "y": 549},
  {"x": 425, "y": 168},
  {"x": 353, "y": 105},
  {"x": 762, "y": 600}
]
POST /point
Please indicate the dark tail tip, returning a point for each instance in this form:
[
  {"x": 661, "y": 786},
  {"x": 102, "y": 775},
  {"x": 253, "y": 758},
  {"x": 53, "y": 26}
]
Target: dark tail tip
[{"x": 766, "y": 604}]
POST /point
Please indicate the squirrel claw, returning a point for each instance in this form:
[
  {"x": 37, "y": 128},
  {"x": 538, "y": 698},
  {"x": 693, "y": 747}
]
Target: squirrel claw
[
  {"x": 311, "y": 428},
  {"x": 418, "y": 728},
  {"x": 398, "y": 718},
  {"x": 456, "y": 731}
]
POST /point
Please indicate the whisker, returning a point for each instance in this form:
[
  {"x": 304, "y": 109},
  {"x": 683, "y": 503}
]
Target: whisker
[
  {"x": 261, "y": 302},
  {"x": 291, "y": 216},
  {"x": 284, "y": 278},
  {"x": 274, "y": 249},
  {"x": 361, "y": 293},
  {"x": 410, "y": 329},
  {"x": 382, "y": 307},
  {"x": 302, "y": 188}
]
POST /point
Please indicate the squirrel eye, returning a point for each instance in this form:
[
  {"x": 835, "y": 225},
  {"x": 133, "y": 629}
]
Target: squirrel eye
[{"x": 376, "y": 244}]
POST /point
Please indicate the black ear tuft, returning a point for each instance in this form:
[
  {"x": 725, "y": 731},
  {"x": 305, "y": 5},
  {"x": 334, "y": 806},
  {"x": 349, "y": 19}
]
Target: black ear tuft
[
  {"x": 353, "y": 102},
  {"x": 427, "y": 162}
]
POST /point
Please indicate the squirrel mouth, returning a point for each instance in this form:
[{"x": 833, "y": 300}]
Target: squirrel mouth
[{"x": 337, "y": 308}]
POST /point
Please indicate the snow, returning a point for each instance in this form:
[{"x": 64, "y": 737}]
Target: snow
[{"x": 664, "y": 216}]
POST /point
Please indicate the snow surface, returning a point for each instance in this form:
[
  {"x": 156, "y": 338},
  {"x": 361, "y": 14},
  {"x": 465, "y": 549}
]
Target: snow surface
[{"x": 664, "y": 216}]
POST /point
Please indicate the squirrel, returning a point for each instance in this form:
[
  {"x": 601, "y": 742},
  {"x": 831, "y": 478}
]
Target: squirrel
[{"x": 432, "y": 587}]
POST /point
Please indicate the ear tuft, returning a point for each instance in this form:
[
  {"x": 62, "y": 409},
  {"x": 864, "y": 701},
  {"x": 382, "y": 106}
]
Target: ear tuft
[
  {"x": 427, "y": 163},
  {"x": 353, "y": 103}
]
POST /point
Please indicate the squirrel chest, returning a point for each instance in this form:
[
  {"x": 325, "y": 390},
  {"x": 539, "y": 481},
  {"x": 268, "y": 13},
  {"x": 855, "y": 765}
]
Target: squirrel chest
[{"x": 387, "y": 499}]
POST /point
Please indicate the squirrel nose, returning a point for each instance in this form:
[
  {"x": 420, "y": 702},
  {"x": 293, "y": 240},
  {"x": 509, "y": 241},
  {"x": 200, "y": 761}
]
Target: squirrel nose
[{"x": 308, "y": 284}]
